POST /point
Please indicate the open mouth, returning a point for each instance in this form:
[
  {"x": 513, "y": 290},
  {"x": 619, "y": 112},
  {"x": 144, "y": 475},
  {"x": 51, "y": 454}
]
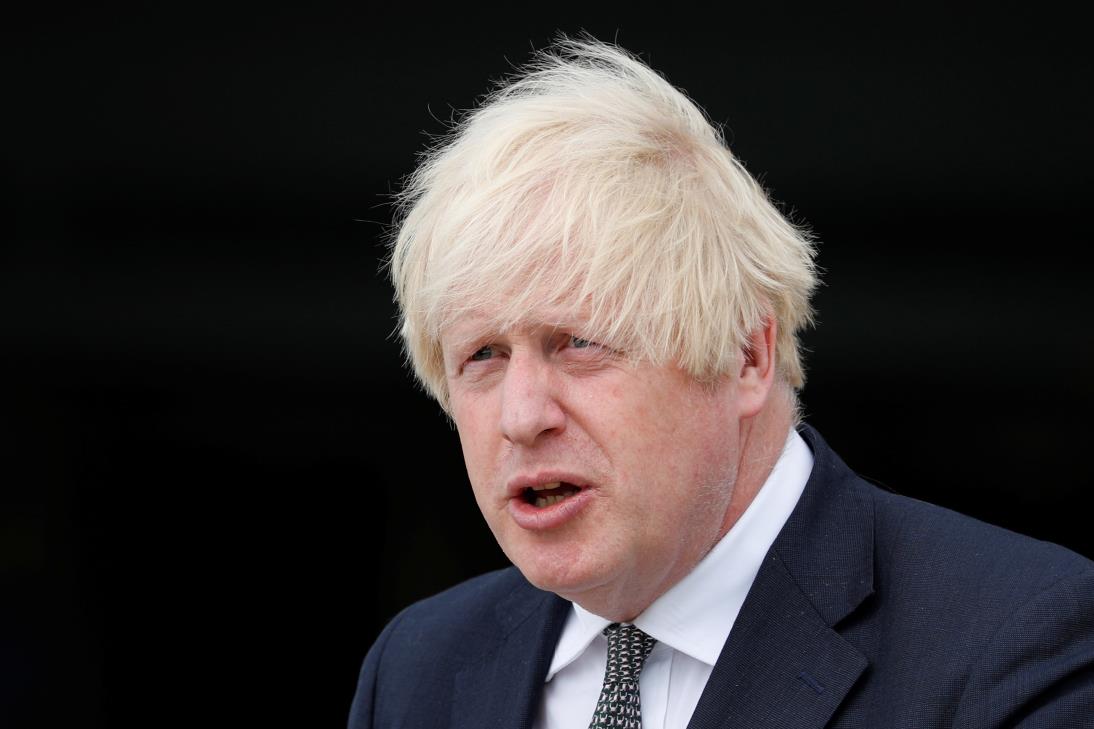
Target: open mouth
[{"x": 549, "y": 494}]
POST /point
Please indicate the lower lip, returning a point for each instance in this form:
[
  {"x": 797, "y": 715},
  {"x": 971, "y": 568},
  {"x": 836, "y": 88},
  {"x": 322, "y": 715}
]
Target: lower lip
[{"x": 531, "y": 518}]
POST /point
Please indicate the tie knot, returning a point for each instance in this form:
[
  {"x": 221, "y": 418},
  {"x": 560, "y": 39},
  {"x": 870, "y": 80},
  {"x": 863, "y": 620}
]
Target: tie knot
[{"x": 628, "y": 647}]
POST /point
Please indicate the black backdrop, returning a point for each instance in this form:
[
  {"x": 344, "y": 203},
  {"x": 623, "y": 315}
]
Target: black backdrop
[{"x": 221, "y": 483}]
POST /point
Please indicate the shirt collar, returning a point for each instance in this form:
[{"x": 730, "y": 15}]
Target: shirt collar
[{"x": 696, "y": 614}]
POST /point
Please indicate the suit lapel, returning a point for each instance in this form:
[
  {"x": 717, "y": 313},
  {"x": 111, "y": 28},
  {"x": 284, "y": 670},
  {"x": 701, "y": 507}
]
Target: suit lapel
[
  {"x": 783, "y": 663},
  {"x": 503, "y": 687}
]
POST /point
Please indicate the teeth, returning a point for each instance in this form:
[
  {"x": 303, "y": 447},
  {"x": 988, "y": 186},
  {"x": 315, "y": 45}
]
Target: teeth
[
  {"x": 542, "y": 501},
  {"x": 544, "y": 487}
]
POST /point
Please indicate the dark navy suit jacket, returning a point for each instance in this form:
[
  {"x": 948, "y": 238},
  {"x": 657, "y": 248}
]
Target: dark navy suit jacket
[{"x": 870, "y": 610}]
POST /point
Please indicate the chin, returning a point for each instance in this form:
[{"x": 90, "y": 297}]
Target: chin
[{"x": 567, "y": 578}]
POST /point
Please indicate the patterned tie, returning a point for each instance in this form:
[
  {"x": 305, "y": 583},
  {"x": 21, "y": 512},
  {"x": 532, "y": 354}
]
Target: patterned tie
[{"x": 619, "y": 704}]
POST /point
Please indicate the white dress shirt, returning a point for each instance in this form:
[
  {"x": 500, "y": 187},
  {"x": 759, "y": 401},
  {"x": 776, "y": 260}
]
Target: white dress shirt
[{"x": 691, "y": 621}]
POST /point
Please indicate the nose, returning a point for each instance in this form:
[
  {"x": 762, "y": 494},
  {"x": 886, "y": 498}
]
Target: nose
[{"x": 530, "y": 407}]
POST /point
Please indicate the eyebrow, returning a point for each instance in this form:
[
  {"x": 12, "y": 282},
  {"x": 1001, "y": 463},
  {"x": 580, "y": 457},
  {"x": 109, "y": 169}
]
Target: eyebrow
[{"x": 461, "y": 336}]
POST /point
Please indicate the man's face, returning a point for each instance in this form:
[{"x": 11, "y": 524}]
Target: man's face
[{"x": 602, "y": 480}]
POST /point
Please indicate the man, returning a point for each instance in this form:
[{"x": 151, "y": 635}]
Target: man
[{"x": 607, "y": 306}]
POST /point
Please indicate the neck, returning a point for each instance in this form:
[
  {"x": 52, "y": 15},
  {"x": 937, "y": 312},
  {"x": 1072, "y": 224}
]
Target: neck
[{"x": 761, "y": 443}]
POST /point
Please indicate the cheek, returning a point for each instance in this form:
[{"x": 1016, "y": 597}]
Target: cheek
[
  {"x": 481, "y": 473},
  {"x": 632, "y": 415},
  {"x": 474, "y": 454},
  {"x": 473, "y": 416},
  {"x": 654, "y": 425},
  {"x": 689, "y": 443},
  {"x": 479, "y": 440}
]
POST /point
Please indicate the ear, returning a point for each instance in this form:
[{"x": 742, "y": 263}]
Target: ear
[{"x": 757, "y": 373}]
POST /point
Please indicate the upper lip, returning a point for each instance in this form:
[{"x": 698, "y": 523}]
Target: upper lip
[{"x": 516, "y": 486}]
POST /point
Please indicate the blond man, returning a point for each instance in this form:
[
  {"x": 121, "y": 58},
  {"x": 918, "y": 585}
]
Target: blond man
[{"x": 608, "y": 307}]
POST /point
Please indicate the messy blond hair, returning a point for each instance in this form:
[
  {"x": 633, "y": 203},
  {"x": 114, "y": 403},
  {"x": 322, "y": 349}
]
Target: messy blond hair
[{"x": 589, "y": 184}]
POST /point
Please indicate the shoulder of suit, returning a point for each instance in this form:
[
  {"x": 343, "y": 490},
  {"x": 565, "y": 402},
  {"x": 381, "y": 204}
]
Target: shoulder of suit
[
  {"x": 478, "y": 605},
  {"x": 949, "y": 546}
]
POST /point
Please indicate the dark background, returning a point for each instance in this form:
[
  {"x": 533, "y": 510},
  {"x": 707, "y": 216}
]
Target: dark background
[{"x": 220, "y": 481}]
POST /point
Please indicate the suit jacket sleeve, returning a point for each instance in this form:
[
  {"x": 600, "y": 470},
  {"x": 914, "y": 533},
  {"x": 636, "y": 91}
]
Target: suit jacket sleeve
[{"x": 1038, "y": 669}]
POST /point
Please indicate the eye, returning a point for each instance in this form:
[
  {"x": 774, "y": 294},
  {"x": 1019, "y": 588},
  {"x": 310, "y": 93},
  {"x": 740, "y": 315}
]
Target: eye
[
  {"x": 580, "y": 343},
  {"x": 482, "y": 354}
]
